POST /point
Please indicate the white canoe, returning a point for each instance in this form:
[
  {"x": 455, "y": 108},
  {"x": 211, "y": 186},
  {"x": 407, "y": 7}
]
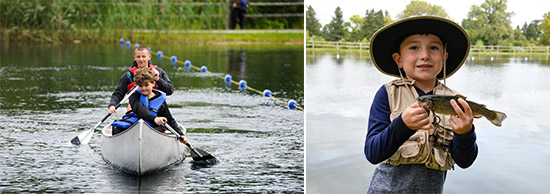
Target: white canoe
[{"x": 141, "y": 149}]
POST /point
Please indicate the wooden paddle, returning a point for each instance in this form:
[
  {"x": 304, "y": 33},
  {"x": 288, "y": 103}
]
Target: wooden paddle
[
  {"x": 86, "y": 136},
  {"x": 199, "y": 156}
]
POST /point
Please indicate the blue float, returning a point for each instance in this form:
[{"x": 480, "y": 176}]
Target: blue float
[
  {"x": 159, "y": 54},
  {"x": 267, "y": 93},
  {"x": 174, "y": 59},
  {"x": 128, "y": 43},
  {"x": 122, "y": 41},
  {"x": 292, "y": 104},
  {"x": 136, "y": 46},
  {"x": 242, "y": 85},
  {"x": 187, "y": 64},
  {"x": 204, "y": 69},
  {"x": 228, "y": 79}
]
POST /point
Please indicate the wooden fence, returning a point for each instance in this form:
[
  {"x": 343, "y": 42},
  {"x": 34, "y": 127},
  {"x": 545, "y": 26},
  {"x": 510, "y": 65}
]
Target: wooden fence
[{"x": 473, "y": 49}]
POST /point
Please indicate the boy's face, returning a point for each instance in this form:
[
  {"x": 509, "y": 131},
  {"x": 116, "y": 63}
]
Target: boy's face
[
  {"x": 146, "y": 88},
  {"x": 421, "y": 56},
  {"x": 142, "y": 58}
]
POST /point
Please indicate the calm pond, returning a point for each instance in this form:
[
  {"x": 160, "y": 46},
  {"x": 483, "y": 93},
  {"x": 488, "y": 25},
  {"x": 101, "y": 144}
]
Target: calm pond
[
  {"x": 512, "y": 158},
  {"x": 51, "y": 93}
]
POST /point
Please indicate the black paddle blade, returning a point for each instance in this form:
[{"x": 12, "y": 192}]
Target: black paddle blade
[
  {"x": 75, "y": 141},
  {"x": 206, "y": 160}
]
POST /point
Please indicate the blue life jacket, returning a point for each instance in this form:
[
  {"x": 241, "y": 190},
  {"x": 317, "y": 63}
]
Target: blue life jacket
[{"x": 153, "y": 105}]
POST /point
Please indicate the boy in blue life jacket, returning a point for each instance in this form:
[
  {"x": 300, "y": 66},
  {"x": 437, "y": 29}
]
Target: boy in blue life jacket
[
  {"x": 142, "y": 59},
  {"x": 148, "y": 104},
  {"x": 414, "y": 148}
]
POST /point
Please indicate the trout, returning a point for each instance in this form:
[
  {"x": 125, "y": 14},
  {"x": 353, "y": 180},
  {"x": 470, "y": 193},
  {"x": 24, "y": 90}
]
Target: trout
[{"x": 441, "y": 104}]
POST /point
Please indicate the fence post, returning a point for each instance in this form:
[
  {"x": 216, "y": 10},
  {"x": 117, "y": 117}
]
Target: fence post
[
  {"x": 359, "y": 46},
  {"x": 337, "y": 45},
  {"x": 313, "y": 44}
]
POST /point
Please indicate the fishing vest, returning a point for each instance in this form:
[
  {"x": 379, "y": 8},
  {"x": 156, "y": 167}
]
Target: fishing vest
[
  {"x": 130, "y": 118},
  {"x": 130, "y": 74},
  {"x": 424, "y": 146}
]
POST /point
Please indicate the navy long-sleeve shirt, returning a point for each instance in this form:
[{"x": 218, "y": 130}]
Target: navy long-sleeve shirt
[
  {"x": 384, "y": 137},
  {"x": 143, "y": 112}
]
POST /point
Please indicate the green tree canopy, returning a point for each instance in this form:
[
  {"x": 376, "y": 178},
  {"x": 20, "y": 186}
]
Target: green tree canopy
[
  {"x": 372, "y": 22},
  {"x": 545, "y": 29},
  {"x": 312, "y": 23},
  {"x": 335, "y": 30},
  {"x": 531, "y": 30},
  {"x": 422, "y": 8},
  {"x": 356, "y": 23},
  {"x": 489, "y": 22}
]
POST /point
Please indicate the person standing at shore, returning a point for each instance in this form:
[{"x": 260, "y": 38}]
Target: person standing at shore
[{"x": 238, "y": 10}]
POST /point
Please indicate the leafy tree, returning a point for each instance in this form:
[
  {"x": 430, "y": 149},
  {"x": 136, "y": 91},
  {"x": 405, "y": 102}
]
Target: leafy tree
[
  {"x": 531, "y": 30},
  {"x": 489, "y": 22},
  {"x": 545, "y": 29},
  {"x": 372, "y": 22},
  {"x": 356, "y": 34},
  {"x": 335, "y": 30},
  {"x": 312, "y": 23},
  {"x": 422, "y": 8}
]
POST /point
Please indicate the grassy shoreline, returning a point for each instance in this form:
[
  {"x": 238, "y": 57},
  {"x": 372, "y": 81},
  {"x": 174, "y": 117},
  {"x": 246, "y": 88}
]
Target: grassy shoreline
[
  {"x": 485, "y": 53},
  {"x": 203, "y": 37}
]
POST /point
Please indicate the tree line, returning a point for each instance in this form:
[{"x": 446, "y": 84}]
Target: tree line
[{"x": 486, "y": 24}]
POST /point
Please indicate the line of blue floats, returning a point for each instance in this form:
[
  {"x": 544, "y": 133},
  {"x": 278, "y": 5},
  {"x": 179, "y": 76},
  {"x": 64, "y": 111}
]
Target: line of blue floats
[{"x": 292, "y": 104}]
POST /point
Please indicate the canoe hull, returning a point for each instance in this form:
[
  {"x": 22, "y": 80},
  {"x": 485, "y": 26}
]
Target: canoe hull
[{"x": 141, "y": 150}]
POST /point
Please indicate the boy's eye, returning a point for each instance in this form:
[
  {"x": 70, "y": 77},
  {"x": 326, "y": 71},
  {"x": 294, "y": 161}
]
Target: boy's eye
[
  {"x": 434, "y": 48},
  {"x": 413, "y": 47}
]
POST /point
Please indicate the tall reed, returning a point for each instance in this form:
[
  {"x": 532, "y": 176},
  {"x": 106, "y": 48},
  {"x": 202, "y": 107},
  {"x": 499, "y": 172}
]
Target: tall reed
[{"x": 68, "y": 20}]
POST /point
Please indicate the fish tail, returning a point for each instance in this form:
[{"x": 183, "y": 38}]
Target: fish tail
[{"x": 498, "y": 119}]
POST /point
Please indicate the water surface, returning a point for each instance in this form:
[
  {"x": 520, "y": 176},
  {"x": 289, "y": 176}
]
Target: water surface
[
  {"x": 51, "y": 93},
  {"x": 512, "y": 159}
]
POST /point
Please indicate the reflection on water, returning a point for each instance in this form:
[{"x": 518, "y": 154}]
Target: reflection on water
[
  {"x": 512, "y": 158},
  {"x": 51, "y": 93}
]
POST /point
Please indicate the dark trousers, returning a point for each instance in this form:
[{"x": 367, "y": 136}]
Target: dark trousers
[{"x": 237, "y": 13}]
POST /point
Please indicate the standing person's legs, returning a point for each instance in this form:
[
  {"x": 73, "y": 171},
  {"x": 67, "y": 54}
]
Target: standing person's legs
[
  {"x": 233, "y": 17},
  {"x": 241, "y": 19}
]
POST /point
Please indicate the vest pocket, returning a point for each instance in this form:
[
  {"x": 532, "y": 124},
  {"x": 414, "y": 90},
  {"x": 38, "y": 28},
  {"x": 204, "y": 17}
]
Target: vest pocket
[{"x": 412, "y": 151}]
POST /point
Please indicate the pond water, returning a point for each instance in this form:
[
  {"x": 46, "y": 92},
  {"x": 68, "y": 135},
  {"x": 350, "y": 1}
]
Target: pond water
[
  {"x": 51, "y": 93},
  {"x": 511, "y": 159}
]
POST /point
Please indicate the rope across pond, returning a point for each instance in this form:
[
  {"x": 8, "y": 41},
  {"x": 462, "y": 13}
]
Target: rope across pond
[{"x": 243, "y": 86}]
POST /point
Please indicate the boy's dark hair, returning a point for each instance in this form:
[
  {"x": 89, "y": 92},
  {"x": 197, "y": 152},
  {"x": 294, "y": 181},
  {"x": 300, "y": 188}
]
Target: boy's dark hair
[{"x": 144, "y": 75}]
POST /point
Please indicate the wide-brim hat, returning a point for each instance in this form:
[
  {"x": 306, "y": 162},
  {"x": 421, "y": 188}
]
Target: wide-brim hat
[{"x": 387, "y": 40}]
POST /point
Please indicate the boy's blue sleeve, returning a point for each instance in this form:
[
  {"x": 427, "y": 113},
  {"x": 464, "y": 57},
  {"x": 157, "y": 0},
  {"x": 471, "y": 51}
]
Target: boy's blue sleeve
[
  {"x": 384, "y": 136},
  {"x": 464, "y": 150}
]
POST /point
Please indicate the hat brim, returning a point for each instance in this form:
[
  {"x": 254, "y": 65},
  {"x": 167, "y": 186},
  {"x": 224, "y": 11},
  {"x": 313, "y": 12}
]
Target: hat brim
[{"x": 384, "y": 40}]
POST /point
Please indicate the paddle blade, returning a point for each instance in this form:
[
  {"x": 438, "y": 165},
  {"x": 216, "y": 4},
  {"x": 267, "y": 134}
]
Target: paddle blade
[
  {"x": 83, "y": 138},
  {"x": 202, "y": 158},
  {"x": 75, "y": 141}
]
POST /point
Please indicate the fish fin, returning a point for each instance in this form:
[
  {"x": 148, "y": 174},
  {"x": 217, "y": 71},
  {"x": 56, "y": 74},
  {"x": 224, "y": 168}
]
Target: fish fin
[
  {"x": 483, "y": 105},
  {"x": 498, "y": 119},
  {"x": 461, "y": 96}
]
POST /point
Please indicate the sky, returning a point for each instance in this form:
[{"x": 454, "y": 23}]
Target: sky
[{"x": 524, "y": 10}]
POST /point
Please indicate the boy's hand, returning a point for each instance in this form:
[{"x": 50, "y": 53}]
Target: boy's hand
[
  {"x": 156, "y": 75},
  {"x": 183, "y": 139},
  {"x": 160, "y": 120},
  {"x": 461, "y": 122},
  {"x": 111, "y": 110},
  {"x": 416, "y": 117}
]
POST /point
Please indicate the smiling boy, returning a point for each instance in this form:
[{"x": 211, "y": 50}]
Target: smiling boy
[
  {"x": 148, "y": 104},
  {"x": 142, "y": 59},
  {"x": 414, "y": 149}
]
